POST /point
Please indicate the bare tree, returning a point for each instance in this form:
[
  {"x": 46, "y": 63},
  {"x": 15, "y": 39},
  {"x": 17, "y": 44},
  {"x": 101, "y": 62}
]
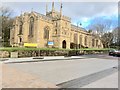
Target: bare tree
[
  {"x": 6, "y": 24},
  {"x": 116, "y": 37},
  {"x": 107, "y": 39},
  {"x": 101, "y": 27},
  {"x": 115, "y": 34}
]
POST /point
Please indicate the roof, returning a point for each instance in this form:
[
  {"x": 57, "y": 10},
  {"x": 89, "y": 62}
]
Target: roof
[{"x": 78, "y": 28}]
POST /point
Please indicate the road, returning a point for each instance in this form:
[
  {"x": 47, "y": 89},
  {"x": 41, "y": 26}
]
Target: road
[
  {"x": 58, "y": 72},
  {"x": 101, "y": 56}
]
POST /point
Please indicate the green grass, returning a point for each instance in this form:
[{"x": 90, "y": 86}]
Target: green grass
[{"x": 11, "y": 49}]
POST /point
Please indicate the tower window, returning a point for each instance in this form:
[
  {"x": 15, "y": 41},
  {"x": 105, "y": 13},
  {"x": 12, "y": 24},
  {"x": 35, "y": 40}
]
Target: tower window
[
  {"x": 20, "y": 27},
  {"x": 55, "y": 31}
]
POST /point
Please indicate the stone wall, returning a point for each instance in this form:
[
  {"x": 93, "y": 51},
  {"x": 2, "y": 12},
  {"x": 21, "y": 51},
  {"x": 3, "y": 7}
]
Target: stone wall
[{"x": 4, "y": 54}]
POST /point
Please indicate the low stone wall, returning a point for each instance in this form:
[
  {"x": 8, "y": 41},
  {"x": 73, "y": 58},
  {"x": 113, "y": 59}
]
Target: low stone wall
[
  {"x": 41, "y": 53},
  {"x": 4, "y": 54},
  {"x": 22, "y": 53},
  {"x": 14, "y": 54}
]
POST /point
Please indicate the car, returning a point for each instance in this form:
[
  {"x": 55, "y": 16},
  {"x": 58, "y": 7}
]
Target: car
[{"x": 114, "y": 52}]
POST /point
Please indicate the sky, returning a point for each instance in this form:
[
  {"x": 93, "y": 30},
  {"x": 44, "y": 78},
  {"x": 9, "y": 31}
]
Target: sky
[{"x": 79, "y": 12}]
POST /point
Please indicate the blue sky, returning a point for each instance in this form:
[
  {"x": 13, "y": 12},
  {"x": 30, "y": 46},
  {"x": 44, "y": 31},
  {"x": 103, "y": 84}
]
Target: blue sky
[{"x": 80, "y": 12}]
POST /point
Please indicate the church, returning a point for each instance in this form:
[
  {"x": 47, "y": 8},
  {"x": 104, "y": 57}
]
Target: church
[{"x": 53, "y": 30}]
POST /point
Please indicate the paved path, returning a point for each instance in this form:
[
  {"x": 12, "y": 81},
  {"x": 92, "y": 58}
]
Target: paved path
[
  {"x": 61, "y": 71},
  {"x": 85, "y": 80},
  {"x": 0, "y": 75},
  {"x": 38, "y": 59},
  {"x": 110, "y": 81},
  {"x": 14, "y": 78}
]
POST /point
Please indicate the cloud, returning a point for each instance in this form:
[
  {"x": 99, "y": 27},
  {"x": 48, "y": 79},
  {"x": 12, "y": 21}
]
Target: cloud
[
  {"x": 83, "y": 12},
  {"x": 88, "y": 12}
]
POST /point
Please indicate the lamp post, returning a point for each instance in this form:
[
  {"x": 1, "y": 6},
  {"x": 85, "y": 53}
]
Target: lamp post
[{"x": 78, "y": 23}]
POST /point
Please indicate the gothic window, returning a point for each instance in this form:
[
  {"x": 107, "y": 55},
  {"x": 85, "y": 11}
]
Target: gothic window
[
  {"x": 75, "y": 38},
  {"x": 96, "y": 42},
  {"x": 56, "y": 24},
  {"x": 80, "y": 39},
  {"x": 71, "y": 36},
  {"x": 65, "y": 24},
  {"x": 20, "y": 27},
  {"x": 31, "y": 26},
  {"x": 46, "y": 33},
  {"x": 93, "y": 41},
  {"x": 85, "y": 40},
  {"x": 55, "y": 31}
]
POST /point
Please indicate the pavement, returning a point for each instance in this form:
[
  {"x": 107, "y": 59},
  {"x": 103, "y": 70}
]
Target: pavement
[
  {"x": 14, "y": 78},
  {"x": 54, "y": 58},
  {"x": 64, "y": 69},
  {"x": 91, "y": 78},
  {"x": 38, "y": 59},
  {"x": 110, "y": 81},
  {"x": 60, "y": 71},
  {"x": 0, "y": 75}
]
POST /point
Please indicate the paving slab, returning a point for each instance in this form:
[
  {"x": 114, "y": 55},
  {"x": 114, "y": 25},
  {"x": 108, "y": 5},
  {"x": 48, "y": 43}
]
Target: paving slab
[
  {"x": 0, "y": 75},
  {"x": 64, "y": 70},
  {"x": 38, "y": 59},
  {"x": 85, "y": 80},
  {"x": 14, "y": 78},
  {"x": 110, "y": 81}
]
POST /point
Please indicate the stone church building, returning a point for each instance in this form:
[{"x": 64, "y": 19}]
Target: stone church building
[{"x": 53, "y": 30}]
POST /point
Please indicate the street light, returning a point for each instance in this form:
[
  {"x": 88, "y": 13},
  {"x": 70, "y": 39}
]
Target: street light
[{"x": 78, "y": 23}]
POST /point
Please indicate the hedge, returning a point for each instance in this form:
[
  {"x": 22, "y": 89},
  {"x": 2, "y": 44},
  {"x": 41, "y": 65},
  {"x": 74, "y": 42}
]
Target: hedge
[{"x": 11, "y": 49}]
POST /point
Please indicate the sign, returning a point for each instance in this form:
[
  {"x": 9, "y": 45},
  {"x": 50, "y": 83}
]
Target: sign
[
  {"x": 50, "y": 43},
  {"x": 30, "y": 44}
]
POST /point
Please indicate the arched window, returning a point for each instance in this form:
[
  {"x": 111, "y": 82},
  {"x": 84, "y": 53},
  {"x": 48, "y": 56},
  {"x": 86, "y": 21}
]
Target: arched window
[
  {"x": 80, "y": 37},
  {"x": 85, "y": 40},
  {"x": 46, "y": 33},
  {"x": 96, "y": 43},
  {"x": 75, "y": 38},
  {"x": 20, "y": 27},
  {"x": 55, "y": 31},
  {"x": 31, "y": 26},
  {"x": 64, "y": 44},
  {"x": 56, "y": 24},
  {"x": 93, "y": 42}
]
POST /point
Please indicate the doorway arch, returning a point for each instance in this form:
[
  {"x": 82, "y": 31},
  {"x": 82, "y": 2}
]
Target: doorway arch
[{"x": 64, "y": 44}]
